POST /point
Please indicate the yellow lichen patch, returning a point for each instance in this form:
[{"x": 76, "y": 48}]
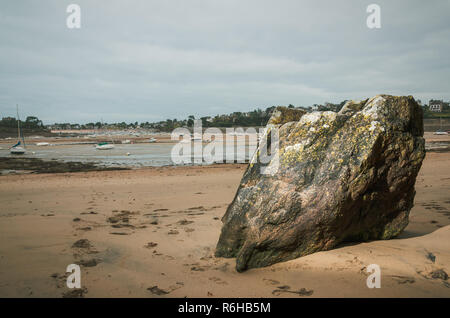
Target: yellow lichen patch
[
  {"x": 284, "y": 115},
  {"x": 308, "y": 138}
]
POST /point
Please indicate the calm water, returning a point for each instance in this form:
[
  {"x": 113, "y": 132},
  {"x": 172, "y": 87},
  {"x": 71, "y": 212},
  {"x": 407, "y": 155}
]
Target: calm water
[{"x": 140, "y": 155}]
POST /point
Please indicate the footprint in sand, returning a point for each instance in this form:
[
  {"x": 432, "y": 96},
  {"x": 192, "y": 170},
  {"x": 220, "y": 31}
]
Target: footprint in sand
[
  {"x": 89, "y": 263},
  {"x": 223, "y": 267},
  {"x": 354, "y": 261},
  {"x": 439, "y": 274},
  {"x": 199, "y": 208},
  {"x": 83, "y": 246},
  {"x": 196, "y": 213},
  {"x": 61, "y": 280},
  {"x": 75, "y": 293},
  {"x": 151, "y": 245},
  {"x": 191, "y": 264},
  {"x": 403, "y": 279},
  {"x": 184, "y": 222},
  {"x": 119, "y": 226},
  {"x": 123, "y": 216},
  {"x": 286, "y": 289},
  {"x": 217, "y": 280},
  {"x": 435, "y": 274},
  {"x": 200, "y": 268},
  {"x": 82, "y": 243},
  {"x": 90, "y": 212},
  {"x": 269, "y": 281},
  {"x": 430, "y": 256},
  {"x": 158, "y": 291}
]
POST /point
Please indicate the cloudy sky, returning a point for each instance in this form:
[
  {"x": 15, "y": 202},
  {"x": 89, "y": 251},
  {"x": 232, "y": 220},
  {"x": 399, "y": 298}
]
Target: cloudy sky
[{"x": 141, "y": 60}]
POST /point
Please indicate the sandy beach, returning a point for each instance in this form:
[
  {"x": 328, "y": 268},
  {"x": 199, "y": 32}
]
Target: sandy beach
[
  {"x": 197, "y": 154},
  {"x": 152, "y": 232}
]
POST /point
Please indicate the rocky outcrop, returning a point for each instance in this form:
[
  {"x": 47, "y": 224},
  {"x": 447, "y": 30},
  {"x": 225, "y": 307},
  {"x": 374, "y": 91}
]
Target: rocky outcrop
[{"x": 346, "y": 176}]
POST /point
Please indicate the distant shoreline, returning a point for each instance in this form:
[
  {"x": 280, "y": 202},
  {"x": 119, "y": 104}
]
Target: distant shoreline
[{"x": 99, "y": 161}]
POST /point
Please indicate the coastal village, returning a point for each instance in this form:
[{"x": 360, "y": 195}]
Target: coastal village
[{"x": 433, "y": 110}]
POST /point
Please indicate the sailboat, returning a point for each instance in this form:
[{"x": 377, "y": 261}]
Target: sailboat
[
  {"x": 17, "y": 149},
  {"x": 104, "y": 145}
]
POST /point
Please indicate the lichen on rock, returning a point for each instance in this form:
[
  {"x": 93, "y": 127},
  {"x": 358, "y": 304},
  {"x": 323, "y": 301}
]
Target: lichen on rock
[{"x": 346, "y": 176}]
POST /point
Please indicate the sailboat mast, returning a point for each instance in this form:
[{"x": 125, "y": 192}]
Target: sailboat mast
[{"x": 18, "y": 121}]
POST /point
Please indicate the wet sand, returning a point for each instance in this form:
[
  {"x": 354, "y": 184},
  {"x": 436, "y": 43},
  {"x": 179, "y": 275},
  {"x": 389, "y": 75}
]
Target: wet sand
[
  {"x": 12, "y": 165},
  {"x": 152, "y": 233}
]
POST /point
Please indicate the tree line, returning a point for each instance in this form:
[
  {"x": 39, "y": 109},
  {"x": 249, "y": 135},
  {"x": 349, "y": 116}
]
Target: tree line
[
  {"x": 254, "y": 118},
  {"x": 31, "y": 122}
]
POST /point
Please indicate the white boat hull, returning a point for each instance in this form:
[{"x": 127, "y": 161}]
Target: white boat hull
[
  {"x": 104, "y": 147},
  {"x": 17, "y": 150}
]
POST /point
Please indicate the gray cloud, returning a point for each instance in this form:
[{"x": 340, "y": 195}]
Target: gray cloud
[{"x": 152, "y": 60}]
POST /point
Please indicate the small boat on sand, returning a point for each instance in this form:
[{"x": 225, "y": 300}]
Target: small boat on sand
[
  {"x": 104, "y": 146},
  {"x": 17, "y": 149}
]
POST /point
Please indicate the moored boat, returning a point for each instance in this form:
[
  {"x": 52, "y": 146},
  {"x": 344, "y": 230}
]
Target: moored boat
[
  {"x": 17, "y": 149},
  {"x": 104, "y": 146}
]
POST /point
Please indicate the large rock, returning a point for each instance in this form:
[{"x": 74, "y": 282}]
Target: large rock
[{"x": 346, "y": 176}]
